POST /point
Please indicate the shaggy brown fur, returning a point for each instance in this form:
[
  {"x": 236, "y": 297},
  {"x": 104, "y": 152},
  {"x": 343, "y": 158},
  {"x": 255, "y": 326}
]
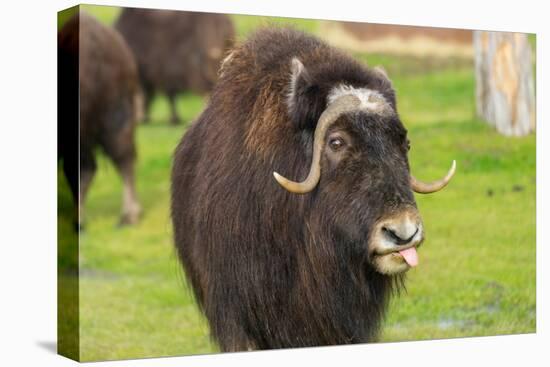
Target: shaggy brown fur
[
  {"x": 100, "y": 62},
  {"x": 272, "y": 269},
  {"x": 176, "y": 50}
]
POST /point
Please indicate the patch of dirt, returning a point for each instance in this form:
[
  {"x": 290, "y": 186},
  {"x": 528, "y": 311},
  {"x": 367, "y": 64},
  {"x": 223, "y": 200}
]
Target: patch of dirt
[{"x": 395, "y": 39}]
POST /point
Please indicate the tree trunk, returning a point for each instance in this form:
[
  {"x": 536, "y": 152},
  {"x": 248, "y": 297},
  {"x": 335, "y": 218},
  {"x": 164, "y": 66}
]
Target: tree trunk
[{"x": 505, "y": 93}]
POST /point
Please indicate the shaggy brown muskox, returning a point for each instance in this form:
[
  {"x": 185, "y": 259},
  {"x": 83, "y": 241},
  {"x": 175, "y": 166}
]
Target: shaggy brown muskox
[
  {"x": 276, "y": 263},
  {"x": 110, "y": 102},
  {"x": 175, "y": 50}
]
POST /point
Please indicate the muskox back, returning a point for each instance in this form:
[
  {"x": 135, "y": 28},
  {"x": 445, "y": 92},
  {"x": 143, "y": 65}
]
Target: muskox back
[
  {"x": 176, "y": 51},
  {"x": 110, "y": 101}
]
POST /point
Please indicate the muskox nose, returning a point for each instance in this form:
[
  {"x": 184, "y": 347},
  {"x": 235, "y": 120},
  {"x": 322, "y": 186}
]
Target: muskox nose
[
  {"x": 400, "y": 236},
  {"x": 401, "y": 231}
]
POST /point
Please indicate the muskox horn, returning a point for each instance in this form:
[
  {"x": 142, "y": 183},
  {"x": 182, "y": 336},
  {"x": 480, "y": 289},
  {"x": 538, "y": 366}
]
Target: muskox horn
[
  {"x": 427, "y": 188},
  {"x": 346, "y": 103}
]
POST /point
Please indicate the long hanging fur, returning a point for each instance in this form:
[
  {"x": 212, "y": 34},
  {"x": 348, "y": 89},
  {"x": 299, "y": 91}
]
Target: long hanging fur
[{"x": 267, "y": 267}]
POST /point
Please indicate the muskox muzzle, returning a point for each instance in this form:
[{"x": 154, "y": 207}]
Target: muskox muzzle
[{"x": 394, "y": 240}]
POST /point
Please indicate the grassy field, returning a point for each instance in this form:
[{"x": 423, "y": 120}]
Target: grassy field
[{"x": 477, "y": 267}]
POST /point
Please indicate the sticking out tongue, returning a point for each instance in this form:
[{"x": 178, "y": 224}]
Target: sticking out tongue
[{"x": 410, "y": 256}]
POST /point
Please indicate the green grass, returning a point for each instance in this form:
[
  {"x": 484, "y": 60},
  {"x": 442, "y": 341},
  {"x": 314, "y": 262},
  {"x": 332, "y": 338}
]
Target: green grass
[
  {"x": 105, "y": 14},
  {"x": 244, "y": 24},
  {"x": 477, "y": 266}
]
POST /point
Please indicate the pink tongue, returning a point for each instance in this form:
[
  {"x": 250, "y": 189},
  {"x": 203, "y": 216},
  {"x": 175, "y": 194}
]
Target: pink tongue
[{"x": 410, "y": 256}]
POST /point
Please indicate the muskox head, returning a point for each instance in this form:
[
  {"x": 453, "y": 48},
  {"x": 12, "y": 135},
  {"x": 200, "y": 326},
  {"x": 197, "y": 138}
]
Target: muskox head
[{"x": 363, "y": 189}]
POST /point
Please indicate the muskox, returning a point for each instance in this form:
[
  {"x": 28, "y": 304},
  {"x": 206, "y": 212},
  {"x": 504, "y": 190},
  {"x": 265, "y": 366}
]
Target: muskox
[
  {"x": 175, "y": 50},
  {"x": 275, "y": 263},
  {"x": 110, "y": 101}
]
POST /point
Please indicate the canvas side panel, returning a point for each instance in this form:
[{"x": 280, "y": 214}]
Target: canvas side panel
[{"x": 67, "y": 184}]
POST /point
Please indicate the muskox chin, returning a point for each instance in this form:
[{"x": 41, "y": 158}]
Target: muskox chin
[{"x": 272, "y": 268}]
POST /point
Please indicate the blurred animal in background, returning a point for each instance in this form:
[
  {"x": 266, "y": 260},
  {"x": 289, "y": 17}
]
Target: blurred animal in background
[
  {"x": 276, "y": 263},
  {"x": 67, "y": 110},
  {"x": 111, "y": 102},
  {"x": 176, "y": 51}
]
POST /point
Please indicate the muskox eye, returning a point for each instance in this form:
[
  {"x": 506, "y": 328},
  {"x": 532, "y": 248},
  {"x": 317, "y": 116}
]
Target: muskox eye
[
  {"x": 336, "y": 144},
  {"x": 408, "y": 145}
]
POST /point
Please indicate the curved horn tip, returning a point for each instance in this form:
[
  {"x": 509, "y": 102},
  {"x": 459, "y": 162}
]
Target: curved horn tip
[
  {"x": 283, "y": 181},
  {"x": 291, "y": 186},
  {"x": 451, "y": 171},
  {"x": 428, "y": 188},
  {"x": 453, "y": 167},
  {"x": 278, "y": 177}
]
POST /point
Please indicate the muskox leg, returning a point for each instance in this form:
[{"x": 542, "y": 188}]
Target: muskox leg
[
  {"x": 131, "y": 209},
  {"x": 148, "y": 93},
  {"x": 230, "y": 335},
  {"x": 119, "y": 145},
  {"x": 174, "y": 117},
  {"x": 87, "y": 172},
  {"x": 237, "y": 344}
]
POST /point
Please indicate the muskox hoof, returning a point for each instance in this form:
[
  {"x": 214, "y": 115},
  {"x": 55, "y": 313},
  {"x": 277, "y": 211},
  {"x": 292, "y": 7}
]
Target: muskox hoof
[{"x": 127, "y": 219}]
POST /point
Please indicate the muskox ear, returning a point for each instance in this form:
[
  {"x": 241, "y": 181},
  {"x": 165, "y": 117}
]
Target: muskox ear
[
  {"x": 304, "y": 101},
  {"x": 384, "y": 83},
  {"x": 384, "y": 75}
]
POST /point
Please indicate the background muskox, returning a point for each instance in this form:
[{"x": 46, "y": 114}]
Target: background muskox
[
  {"x": 175, "y": 50},
  {"x": 272, "y": 268},
  {"x": 110, "y": 103}
]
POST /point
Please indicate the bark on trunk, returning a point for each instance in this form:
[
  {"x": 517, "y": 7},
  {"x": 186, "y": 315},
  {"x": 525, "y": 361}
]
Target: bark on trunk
[{"x": 505, "y": 93}]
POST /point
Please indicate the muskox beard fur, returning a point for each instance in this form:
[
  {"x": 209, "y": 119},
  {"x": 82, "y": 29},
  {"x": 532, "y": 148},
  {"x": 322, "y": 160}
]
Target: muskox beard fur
[{"x": 342, "y": 296}]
